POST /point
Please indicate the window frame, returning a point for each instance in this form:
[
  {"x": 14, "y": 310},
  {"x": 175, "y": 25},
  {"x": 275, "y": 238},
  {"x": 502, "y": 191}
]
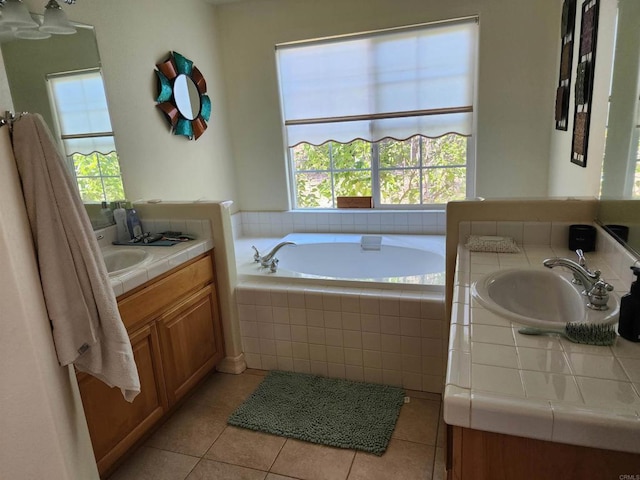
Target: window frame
[
  {"x": 60, "y": 137},
  {"x": 471, "y": 136},
  {"x": 469, "y": 165}
]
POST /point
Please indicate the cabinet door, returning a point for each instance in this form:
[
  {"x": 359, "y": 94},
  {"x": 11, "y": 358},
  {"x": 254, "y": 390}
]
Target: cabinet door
[
  {"x": 115, "y": 424},
  {"x": 191, "y": 342}
]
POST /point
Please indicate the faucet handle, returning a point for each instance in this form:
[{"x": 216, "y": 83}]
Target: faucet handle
[
  {"x": 599, "y": 295},
  {"x": 256, "y": 256},
  {"x": 273, "y": 265},
  {"x": 583, "y": 263}
]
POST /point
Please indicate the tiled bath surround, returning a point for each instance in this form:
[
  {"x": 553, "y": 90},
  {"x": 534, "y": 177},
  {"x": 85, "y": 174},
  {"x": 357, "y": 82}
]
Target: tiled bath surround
[
  {"x": 355, "y": 333},
  {"x": 275, "y": 224},
  {"x": 393, "y": 337}
]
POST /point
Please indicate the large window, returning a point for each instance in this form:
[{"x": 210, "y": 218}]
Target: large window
[
  {"x": 80, "y": 107},
  {"x": 387, "y": 114}
]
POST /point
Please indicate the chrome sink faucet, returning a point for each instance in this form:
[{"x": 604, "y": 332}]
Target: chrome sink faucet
[
  {"x": 269, "y": 260},
  {"x": 596, "y": 289}
]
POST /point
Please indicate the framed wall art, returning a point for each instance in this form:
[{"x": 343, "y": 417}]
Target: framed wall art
[
  {"x": 567, "y": 29},
  {"x": 584, "y": 81}
]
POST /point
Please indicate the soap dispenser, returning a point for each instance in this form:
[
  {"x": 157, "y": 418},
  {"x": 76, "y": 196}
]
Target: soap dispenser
[{"x": 629, "y": 322}]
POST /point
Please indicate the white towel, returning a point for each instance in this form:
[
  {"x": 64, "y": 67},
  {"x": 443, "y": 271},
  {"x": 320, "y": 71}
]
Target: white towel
[{"x": 87, "y": 328}]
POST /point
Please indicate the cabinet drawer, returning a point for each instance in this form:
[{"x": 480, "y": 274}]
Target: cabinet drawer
[{"x": 154, "y": 298}]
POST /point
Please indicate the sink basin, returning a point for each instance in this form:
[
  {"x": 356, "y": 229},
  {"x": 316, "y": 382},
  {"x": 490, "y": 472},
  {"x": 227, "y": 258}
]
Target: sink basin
[
  {"x": 120, "y": 260},
  {"x": 539, "y": 298}
]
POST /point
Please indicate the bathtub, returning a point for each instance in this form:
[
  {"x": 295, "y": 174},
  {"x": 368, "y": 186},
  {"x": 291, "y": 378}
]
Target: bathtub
[
  {"x": 401, "y": 260},
  {"x": 336, "y": 310}
]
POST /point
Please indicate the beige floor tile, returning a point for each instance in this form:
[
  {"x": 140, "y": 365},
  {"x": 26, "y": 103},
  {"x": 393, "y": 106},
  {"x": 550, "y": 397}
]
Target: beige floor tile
[
  {"x": 418, "y": 421},
  {"x": 226, "y": 391},
  {"x": 402, "y": 460},
  {"x": 254, "y": 371},
  {"x": 191, "y": 430},
  {"x": 152, "y": 464},
  {"x": 246, "y": 448},
  {"x": 442, "y": 432},
  {"x": 440, "y": 465},
  {"x": 201, "y": 421},
  {"x": 434, "y": 397},
  {"x": 309, "y": 461},
  {"x": 211, "y": 470}
]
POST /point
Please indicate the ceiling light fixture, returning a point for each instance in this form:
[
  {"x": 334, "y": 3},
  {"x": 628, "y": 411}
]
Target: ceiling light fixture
[{"x": 16, "y": 21}]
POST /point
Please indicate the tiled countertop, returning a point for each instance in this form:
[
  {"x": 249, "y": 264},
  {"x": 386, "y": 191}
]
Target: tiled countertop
[
  {"x": 542, "y": 387},
  {"x": 159, "y": 261}
]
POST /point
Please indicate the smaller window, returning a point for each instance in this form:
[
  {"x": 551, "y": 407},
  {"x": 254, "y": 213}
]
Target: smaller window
[{"x": 80, "y": 109}]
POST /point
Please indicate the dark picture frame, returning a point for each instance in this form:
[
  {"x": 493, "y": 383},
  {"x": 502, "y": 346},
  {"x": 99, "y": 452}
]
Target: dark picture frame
[
  {"x": 584, "y": 81},
  {"x": 567, "y": 31}
]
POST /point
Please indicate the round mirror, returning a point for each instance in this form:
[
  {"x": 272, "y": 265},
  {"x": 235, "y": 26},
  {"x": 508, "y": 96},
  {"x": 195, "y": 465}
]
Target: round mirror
[
  {"x": 187, "y": 97},
  {"x": 182, "y": 96}
]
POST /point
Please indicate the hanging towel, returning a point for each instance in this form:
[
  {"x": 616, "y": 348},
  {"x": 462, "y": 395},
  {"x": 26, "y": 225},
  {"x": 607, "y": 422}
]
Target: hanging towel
[{"x": 82, "y": 308}]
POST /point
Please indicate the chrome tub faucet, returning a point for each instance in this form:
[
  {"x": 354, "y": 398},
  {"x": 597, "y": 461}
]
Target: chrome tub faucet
[{"x": 269, "y": 260}]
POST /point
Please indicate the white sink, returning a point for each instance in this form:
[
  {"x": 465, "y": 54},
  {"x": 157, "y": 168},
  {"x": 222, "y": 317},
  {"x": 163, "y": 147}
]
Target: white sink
[
  {"x": 539, "y": 298},
  {"x": 122, "y": 259}
]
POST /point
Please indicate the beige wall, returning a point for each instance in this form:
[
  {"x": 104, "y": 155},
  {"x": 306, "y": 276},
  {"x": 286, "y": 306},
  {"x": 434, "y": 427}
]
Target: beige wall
[
  {"x": 132, "y": 37},
  {"x": 516, "y": 87},
  {"x": 566, "y": 178}
]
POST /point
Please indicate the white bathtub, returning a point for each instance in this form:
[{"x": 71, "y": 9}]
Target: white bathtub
[{"x": 402, "y": 260}]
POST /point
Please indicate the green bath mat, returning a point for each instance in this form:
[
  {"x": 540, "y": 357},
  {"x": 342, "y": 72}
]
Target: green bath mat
[{"x": 329, "y": 411}]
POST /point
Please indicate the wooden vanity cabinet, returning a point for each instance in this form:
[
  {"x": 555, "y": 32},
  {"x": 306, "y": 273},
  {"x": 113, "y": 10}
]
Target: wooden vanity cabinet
[
  {"x": 174, "y": 328},
  {"x": 115, "y": 424},
  {"x": 480, "y": 455},
  {"x": 191, "y": 342}
]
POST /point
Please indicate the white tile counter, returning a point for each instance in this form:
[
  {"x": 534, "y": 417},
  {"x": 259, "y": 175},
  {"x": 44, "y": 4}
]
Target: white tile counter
[
  {"x": 159, "y": 261},
  {"x": 542, "y": 387}
]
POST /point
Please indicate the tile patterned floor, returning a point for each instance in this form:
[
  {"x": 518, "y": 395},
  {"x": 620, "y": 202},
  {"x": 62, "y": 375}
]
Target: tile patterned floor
[{"x": 197, "y": 444}]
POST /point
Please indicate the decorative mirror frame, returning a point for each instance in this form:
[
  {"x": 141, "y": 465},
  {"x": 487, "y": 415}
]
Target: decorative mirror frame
[{"x": 167, "y": 72}]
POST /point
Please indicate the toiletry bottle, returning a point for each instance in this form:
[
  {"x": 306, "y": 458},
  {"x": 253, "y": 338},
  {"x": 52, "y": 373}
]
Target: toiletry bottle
[
  {"x": 120, "y": 217},
  {"x": 107, "y": 214},
  {"x": 629, "y": 322},
  {"x": 133, "y": 223}
]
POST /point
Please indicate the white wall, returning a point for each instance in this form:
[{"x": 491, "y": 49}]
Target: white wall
[
  {"x": 516, "y": 88},
  {"x": 132, "y": 38},
  {"x": 566, "y": 178}
]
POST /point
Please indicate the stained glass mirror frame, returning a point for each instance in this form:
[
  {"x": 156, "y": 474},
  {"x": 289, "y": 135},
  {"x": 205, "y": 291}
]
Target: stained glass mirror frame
[{"x": 167, "y": 72}]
